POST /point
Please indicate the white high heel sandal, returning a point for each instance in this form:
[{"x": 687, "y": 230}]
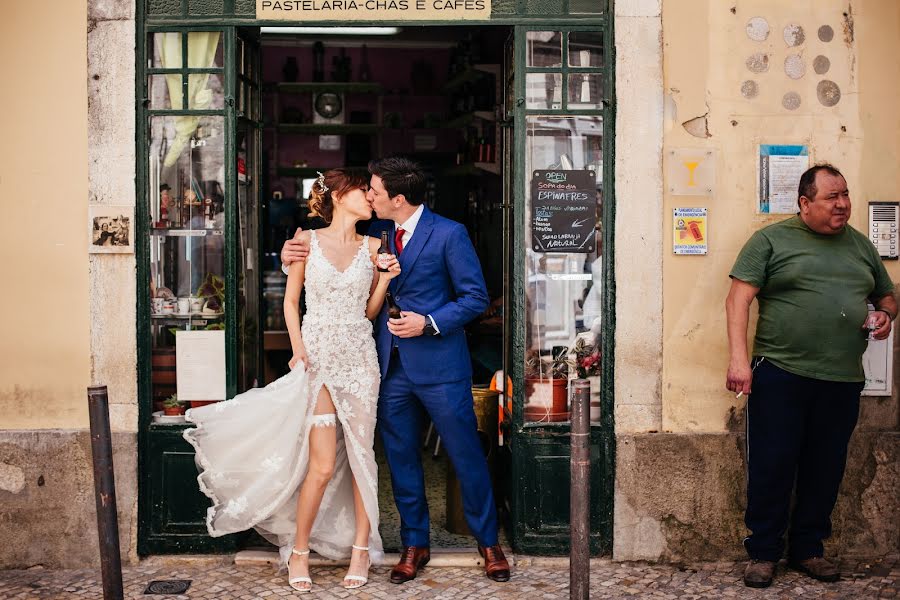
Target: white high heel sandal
[
  {"x": 292, "y": 581},
  {"x": 362, "y": 580}
]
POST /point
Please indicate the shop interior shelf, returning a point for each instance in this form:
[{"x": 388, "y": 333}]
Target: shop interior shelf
[
  {"x": 478, "y": 168},
  {"x": 465, "y": 119},
  {"x": 301, "y": 87},
  {"x": 184, "y": 232},
  {"x": 328, "y": 128},
  {"x": 471, "y": 73}
]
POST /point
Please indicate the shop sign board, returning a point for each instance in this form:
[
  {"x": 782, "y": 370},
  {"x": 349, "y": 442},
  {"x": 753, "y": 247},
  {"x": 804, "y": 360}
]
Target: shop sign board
[
  {"x": 689, "y": 231},
  {"x": 373, "y": 10},
  {"x": 563, "y": 211}
]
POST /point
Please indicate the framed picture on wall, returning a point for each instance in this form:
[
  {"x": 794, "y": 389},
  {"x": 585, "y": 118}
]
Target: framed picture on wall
[{"x": 110, "y": 229}]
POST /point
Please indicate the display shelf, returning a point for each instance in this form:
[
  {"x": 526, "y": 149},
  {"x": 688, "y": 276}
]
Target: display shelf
[
  {"x": 328, "y": 128},
  {"x": 469, "y": 74},
  {"x": 183, "y": 232},
  {"x": 465, "y": 119},
  {"x": 310, "y": 87},
  {"x": 478, "y": 168}
]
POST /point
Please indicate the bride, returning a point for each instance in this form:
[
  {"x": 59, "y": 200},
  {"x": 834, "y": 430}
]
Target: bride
[{"x": 295, "y": 459}]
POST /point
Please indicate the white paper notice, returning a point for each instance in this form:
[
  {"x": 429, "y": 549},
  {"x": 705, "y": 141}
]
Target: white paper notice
[
  {"x": 784, "y": 177},
  {"x": 200, "y": 365}
]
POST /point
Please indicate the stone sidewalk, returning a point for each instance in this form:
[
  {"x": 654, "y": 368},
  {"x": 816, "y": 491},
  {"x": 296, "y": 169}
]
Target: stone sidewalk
[{"x": 533, "y": 578}]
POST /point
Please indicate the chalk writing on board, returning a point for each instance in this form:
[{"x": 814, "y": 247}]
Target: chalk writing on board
[{"x": 564, "y": 211}]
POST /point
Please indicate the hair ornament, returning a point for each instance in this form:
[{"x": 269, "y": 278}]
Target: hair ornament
[{"x": 321, "y": 182}]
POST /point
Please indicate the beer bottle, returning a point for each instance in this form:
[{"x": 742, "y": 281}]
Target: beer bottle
[
  {"x": 393, "y": 309},
  {"x": 384, "y": 251}
]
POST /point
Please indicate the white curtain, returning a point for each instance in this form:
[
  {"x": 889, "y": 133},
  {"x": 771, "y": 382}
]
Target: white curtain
[{"x": 202, "y": 46}]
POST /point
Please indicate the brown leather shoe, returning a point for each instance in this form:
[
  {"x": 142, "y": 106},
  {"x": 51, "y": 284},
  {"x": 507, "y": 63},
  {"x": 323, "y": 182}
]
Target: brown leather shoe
[
  {"x": 495, "y": 565},
  {"x": 817, "y": 568},
  {"x": 759, "y": 573},
  {"x": 411, "y": 560}
]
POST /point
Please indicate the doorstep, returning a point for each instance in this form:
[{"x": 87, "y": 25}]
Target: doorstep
[{"x": 440, "y": 557}]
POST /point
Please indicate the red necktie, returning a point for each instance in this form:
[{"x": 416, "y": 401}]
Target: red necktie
[{"x": 398, "y": 240}]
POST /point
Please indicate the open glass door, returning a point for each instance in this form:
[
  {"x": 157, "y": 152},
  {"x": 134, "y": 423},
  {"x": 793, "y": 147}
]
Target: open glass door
[{"x": 197, "y": 233}]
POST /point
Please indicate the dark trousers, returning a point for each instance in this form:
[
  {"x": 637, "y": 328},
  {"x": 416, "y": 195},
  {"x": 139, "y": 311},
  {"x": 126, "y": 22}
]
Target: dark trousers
[
  {"x": 401, "y": 413},
  {"x": 797, "y": 434}
]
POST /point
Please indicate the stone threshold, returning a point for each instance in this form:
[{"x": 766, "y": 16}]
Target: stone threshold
[{"x": 440, "y": 557}]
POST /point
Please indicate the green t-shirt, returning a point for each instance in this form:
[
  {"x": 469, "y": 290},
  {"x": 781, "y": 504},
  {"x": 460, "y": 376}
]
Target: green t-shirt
[{"x": 812, "y": 297}]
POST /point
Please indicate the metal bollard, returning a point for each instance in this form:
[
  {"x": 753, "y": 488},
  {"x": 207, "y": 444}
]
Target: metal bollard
[
  {"x": 579, "y": 506},
  {"x": 105, "y": 493}
]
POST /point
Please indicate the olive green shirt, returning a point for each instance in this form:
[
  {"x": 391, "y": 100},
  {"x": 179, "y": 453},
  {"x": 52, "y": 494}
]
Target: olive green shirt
[{"x": 812, "y": 297}]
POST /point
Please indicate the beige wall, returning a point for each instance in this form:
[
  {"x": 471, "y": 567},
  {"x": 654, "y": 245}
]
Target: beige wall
[
  {"x": 44, "y": 346},
  {"x": 705, "y": 49}
]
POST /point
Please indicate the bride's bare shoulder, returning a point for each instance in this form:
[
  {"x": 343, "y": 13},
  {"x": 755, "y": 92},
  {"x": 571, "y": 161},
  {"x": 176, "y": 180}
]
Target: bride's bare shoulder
[{"x": 303, "y": 235}]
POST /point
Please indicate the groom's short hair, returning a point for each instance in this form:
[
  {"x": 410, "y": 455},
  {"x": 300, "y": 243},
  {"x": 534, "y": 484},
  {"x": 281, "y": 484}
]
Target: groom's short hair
[{"x": 401, "y": 175}]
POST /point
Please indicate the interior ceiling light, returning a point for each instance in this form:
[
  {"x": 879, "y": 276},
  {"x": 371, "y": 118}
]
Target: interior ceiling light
[{"x": 332, "y": 30}]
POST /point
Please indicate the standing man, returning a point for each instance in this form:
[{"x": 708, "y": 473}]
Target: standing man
[
  {"x": 811, "y": 275},
  {"x": 425, "y": 364}
]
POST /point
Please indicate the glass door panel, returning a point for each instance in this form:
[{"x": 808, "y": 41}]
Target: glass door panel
[{"x": 563, "y": 289}]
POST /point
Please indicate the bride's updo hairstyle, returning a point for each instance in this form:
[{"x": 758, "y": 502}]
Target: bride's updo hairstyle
[{"x": 331, "y": 184}]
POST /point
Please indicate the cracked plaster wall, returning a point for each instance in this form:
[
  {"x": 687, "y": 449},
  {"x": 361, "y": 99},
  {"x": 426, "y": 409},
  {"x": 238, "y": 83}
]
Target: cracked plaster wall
[{"x": 709, "y": 58}]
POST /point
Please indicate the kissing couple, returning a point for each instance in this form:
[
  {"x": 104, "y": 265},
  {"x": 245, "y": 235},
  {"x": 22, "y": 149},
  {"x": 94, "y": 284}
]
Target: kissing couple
[{"x": 295, "y": 460}]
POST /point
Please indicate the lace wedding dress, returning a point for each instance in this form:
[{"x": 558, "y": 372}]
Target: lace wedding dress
[{"x": 253, "y": 450}]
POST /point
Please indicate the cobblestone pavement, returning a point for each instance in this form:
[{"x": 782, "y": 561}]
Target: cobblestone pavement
[{"x": 532, "y": 578}]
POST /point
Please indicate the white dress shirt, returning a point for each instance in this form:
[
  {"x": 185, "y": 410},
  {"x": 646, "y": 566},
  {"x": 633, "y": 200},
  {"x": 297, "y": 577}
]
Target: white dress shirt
[{"x": 409, "y": 227}]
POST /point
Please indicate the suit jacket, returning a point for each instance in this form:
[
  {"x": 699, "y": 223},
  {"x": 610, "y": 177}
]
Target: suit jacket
[{"x": 441, "y": 276}]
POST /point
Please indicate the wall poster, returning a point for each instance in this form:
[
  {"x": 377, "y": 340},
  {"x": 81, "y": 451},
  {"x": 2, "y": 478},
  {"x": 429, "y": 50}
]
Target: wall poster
[
  {"x": 689, "y": 231},
  {"x": 780, "y": 168}
]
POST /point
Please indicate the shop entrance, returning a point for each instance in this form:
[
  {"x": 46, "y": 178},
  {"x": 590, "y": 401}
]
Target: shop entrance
[
  {"x": 237, "y": 121},
  {"x": 433, "y": 94}
]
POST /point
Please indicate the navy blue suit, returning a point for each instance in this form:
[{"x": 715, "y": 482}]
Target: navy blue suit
[{"x": 440, "y": 276}]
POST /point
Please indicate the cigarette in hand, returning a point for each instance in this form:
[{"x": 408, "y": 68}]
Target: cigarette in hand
[{"x": 739, "y": 394}]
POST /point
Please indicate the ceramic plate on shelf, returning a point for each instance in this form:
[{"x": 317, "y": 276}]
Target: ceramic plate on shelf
[{"x": 163, "y": 419}]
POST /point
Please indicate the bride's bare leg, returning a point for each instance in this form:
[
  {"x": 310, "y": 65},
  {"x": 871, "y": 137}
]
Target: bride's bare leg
[
  {"x": 359, "y": 559},
  {"x": 322, "y": 451}
]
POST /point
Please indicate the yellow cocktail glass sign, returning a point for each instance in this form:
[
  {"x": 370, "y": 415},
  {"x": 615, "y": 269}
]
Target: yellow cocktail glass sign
[{"x": 373, "y": 10}]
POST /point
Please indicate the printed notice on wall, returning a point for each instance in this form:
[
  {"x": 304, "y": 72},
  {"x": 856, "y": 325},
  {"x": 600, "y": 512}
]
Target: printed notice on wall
[
  {"x": 689, "y": 231},
  {"x": 780, "y": 168},
  {"x": 373, "y": 10},
  {"x": 563, "y": 211},
  {"x": 200, "y": 365}
]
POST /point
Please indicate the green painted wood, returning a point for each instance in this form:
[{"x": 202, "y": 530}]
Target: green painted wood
[
  {"x": 540, "y": 500},
  {"x": 171, "y": 508}
]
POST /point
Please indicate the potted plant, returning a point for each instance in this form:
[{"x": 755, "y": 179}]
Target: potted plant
[
  {"x": 172, "y": 406},
  {"x": 213, "y": 289},
  {"x": 584, "y": 363},
  {"x": 546, "y": 386}
]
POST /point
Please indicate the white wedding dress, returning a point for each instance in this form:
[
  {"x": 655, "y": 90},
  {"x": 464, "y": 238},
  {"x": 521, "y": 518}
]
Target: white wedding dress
[{"x": 253, "y": 450}]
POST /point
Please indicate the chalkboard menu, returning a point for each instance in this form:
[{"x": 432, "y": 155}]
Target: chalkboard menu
[{"x": 563, "y": 211}]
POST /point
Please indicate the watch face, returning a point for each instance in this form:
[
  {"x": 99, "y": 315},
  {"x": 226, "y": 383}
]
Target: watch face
[{"x": 328, "y": 105}]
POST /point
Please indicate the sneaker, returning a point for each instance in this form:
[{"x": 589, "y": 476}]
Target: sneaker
[
  {"x": 817, "y": 568},
  {"x": 759, "y": 573}
]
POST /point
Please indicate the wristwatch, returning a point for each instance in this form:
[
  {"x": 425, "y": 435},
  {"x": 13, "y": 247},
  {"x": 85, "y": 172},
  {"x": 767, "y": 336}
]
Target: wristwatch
[{"x": 429, "y": 328}]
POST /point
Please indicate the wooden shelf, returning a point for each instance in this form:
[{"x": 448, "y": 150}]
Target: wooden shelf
[
  {"x": 472, "y": 169},
  {"x": 328, "y": 128},
  {"x": 465, "y": 119},
  {"x": 310, "y": 87},
  {"x": 469, "y": 74},
  {"x": 184, "y": 232}
]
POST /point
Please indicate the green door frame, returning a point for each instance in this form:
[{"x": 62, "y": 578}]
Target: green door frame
[
  {"x": 541, "y": 450},
  {"x": 531, "y": 444}
]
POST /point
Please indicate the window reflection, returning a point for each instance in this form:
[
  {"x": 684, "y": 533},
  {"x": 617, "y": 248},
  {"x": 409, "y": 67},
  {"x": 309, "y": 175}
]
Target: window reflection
[
  {"x": 563, "y": 294},
  {"x": 585, "y": 49},
  {"x": 544, "y": 48},
  {"x": 543, "y": 90}
]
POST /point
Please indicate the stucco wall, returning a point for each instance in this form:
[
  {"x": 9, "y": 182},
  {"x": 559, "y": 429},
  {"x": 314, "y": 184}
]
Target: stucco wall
[
  {"x": 706, "y": 49},
  {"x": 44, "y": 346}
]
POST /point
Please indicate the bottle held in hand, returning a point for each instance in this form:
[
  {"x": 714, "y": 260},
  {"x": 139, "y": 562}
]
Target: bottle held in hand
[
  {"x": 384, "y": 253},
  {"x": 393, "y": 309}
]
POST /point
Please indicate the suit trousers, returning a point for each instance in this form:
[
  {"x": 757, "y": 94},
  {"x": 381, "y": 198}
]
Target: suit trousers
[
  {"x": 401, "y": 410},
  {"x": 798, "y": 429}
]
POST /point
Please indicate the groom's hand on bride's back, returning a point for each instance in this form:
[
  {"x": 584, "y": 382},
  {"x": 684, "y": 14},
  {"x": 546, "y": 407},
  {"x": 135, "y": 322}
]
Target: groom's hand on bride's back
[{"x": 294, "y": 249}]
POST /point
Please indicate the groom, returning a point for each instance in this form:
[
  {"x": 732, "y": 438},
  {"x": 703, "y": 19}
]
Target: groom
[{"x": 424, "y": 360}]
